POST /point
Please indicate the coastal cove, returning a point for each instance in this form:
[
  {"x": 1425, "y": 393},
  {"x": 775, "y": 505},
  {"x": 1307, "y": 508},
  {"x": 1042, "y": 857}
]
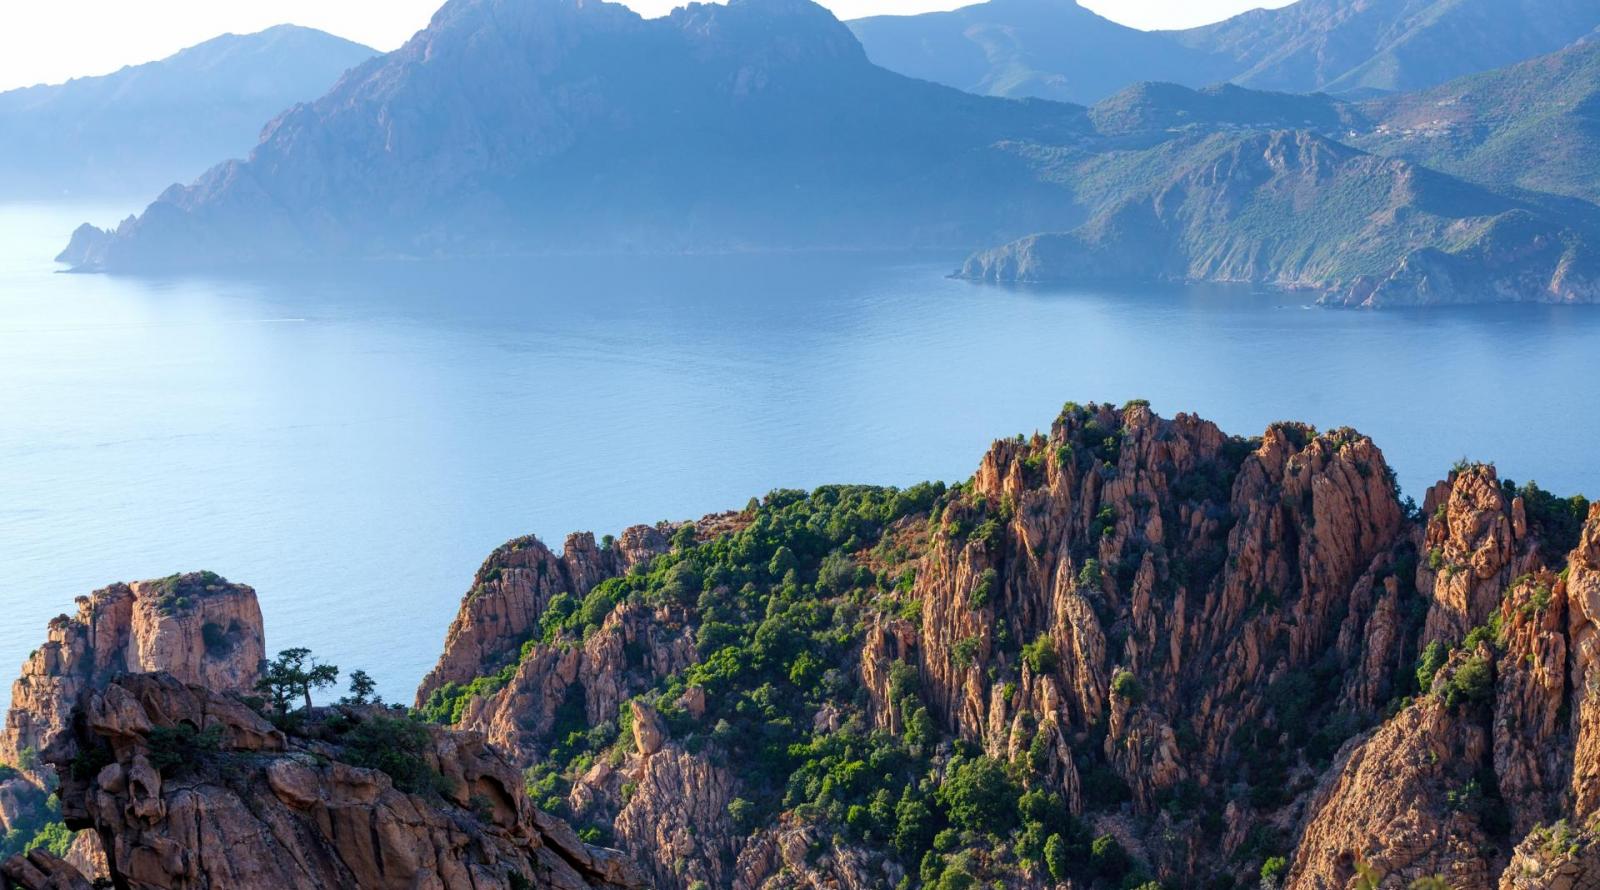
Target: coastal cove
[{"x": 354, "y": 441}]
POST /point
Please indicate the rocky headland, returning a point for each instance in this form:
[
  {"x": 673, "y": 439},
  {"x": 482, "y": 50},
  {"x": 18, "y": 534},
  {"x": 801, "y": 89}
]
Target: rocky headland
[
  {"x": 762, "y": 125},
  {"x": 1296, "y": 210}
]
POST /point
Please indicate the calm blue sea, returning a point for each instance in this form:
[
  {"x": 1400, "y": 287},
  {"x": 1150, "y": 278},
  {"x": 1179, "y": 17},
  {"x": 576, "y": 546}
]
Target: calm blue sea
[{"x": 353, "y": 441}]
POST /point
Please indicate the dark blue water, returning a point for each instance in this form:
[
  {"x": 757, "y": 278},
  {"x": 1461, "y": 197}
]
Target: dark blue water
[{"x": 354, "y": 441}]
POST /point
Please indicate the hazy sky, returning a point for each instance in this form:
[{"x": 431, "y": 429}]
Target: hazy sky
[{"x": 58, "y": 39}]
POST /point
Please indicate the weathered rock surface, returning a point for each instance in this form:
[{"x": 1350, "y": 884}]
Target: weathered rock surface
[
  {"x": 1386, "y": 807},
  {"x": 42, "y": 870},
  {"x": 1554, "y": 857},
  {"x": 1476, "y": 541},
  {"x": 798, "y": 858},
  {"x": 245, "y": 806},
  {"x": 1207, "y": 651},
  {"x": 1220, "y": 623},
  {"x": 501, "y": 611},
  {"x": 197, "y": 627}
]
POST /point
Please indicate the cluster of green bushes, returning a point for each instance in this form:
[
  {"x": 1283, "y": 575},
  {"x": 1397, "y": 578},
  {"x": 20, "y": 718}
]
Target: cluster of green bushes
[
  {"x": 397, "y": 745},
  {"x": 38, "y": 823},
  {"x": 175, "y": 593},
  {"x": 1472, "y": 683},
  {"x": 446, "y": 703},
  {"x": 1558, "y": 521}
]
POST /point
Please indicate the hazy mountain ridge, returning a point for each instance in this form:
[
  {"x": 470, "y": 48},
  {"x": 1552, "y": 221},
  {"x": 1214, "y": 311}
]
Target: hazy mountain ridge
[
  {"x": 1056, "y": 49},
  {"x": 512, "y": 126},
  {"x": 1050, "y": 49},
  {"x": 139, "y": 129},
  {"x": 530, "y": 127},
  {"x": 1387, "y": 45},
  {"x": 1533, "y": 125}
]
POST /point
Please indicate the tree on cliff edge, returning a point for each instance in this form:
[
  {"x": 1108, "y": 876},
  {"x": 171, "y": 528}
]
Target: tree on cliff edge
[{"x": 294, "y": 672}]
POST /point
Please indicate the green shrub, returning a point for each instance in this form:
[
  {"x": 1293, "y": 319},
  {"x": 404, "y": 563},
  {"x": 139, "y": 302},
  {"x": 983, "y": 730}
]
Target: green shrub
[
  {"x": 979, "y": 795},
  {"x": 1432, "y": 659},
  {"x": 988, "y": 533},
  {"x": 1040, "y": 655},
  {"x": 1273, "y": 870},
  {"x": 173, "y": 746},
  {"x": 783, "y": 561},
  {"x": 1056, "y": 858},
  {"x": 914, "y": 826},
  {"x": 1090, "y": 575},
  {"x": 54, "y": 836},
  {"x": 965, "y": 652},
  {"x": 1472, "y": 683},
  {"x": 838, "y": 572},
  {"x": 1104, "y": 524},
  {"x": 1108, "y": 859},
  {"x": 547, "y": 787},
  {"x": 983, "y": 591},
  {"x": 1558, "y": 520},
  {"x": 1483, "y": 634},
  {"x": 1125, "y": 685},
  {"x": 446, "y": 703},
  {"x": 396, "y": 746}
]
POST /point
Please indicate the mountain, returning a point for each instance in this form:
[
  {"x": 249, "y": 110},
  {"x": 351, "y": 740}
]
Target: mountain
[
  {"x": 1361, "y": 46},
  {"x": 1129, "y": 649},
  {"x": 1533, "y": 125},
  {"x": 1295, "y": 209},
  {"x": 543, "y": 127},
  {"x": 1052, "y": 49},
  {"x": 520, "y": 126},
  {"x": 136, "y": 131},
  {"x": 1056, "y": 49}
]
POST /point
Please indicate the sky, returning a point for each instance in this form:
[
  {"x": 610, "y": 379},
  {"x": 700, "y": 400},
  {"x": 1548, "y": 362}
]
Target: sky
[{"x": 53, "y": 41}]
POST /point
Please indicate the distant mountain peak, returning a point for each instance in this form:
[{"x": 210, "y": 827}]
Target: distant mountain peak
[
  {"x": 136, "y": 130},
  {"x": 1056, "y": 49},
  {"x": 774, "y": 30}
]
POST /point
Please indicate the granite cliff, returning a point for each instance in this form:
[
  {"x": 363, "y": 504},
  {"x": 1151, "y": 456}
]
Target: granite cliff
[
  {"x": 1129, "y": 650},
  {"x": 197, "y": 627},
  {"x": 187, "y": 787},
  {"x": 162, "y": 773}
]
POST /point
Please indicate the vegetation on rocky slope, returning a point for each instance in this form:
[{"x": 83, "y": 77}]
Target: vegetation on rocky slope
[
  {"x": 1117, "y": 650},
  {"x": 1133, "y": 652}
]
